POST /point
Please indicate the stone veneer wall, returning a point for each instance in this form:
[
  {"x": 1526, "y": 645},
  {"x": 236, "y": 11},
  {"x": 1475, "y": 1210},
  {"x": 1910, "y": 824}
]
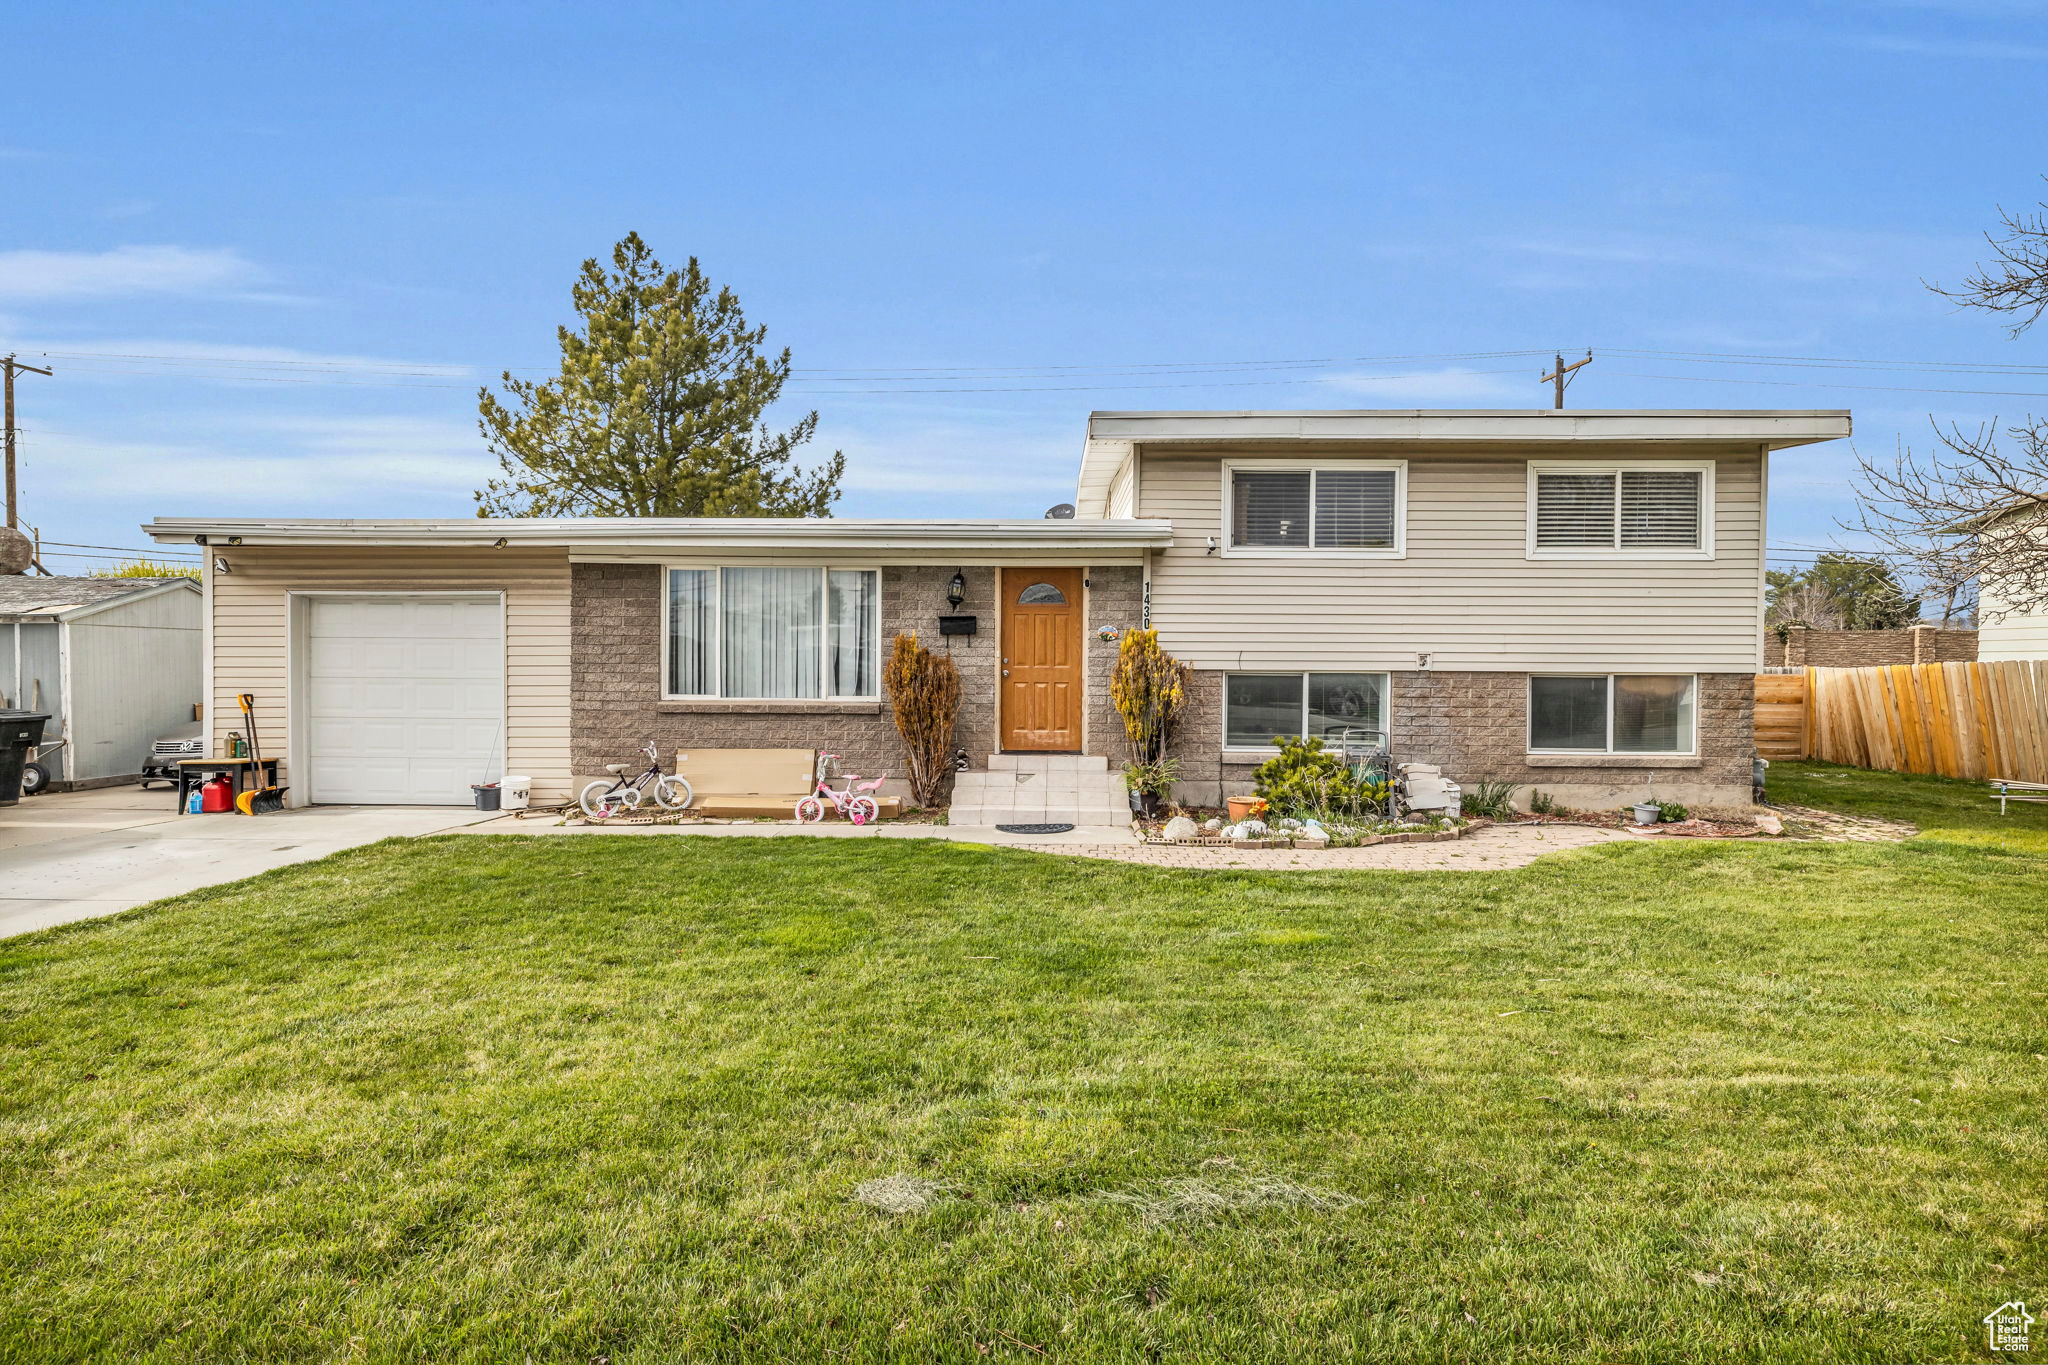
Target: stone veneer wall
[
  {"x": 1474, "y": 726},
  {"x": 1805, "y": 647},
  {"x": 1115, "y": 598},
  {"x": 616, "y": 703}
]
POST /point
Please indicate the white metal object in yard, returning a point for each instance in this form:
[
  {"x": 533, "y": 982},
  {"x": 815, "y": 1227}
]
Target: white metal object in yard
[{"x": 2010, "y": 789}]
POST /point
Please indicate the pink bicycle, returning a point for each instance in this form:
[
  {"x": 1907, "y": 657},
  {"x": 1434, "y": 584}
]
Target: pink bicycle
[{"x": 855, "y": 803}]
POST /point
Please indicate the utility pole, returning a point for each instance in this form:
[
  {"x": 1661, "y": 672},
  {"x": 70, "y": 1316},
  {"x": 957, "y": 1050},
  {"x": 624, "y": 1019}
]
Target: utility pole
[
  {"x": 1559, "y": 376},
  {"x": 13, "y": 367}
]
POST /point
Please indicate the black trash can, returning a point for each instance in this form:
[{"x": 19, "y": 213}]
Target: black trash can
[{"x": 20, "y": 731}]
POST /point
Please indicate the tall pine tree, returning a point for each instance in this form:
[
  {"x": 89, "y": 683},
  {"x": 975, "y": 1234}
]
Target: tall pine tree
[{"x": 657, "y": 410}]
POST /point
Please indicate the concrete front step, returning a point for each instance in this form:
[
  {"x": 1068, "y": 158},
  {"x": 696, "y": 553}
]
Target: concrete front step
[
  {"x": 1048, "y": 763},
  {"x": 1038, "y": 782},
  {"x": 1054, "y": 815},
  {"x": 1041, "y": 789}
]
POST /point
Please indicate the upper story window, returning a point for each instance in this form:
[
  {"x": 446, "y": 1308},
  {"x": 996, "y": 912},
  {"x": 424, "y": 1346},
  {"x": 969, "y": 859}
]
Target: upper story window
[
  {"x": 1654, "y": 510},
  {"x": 771, "y": 633},
  {"x": 1327, "y": 506}
]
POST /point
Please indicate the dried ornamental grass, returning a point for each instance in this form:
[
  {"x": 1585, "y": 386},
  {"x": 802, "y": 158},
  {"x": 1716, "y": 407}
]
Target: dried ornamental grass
[{"x": 924, "y": 695}]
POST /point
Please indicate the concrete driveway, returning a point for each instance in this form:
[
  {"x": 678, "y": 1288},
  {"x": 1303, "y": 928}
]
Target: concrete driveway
[{"x": 74, "y": 855}]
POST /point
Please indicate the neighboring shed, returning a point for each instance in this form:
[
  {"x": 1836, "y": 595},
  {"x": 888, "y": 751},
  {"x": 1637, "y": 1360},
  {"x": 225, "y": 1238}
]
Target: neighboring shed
[{"x": 113, "y": 661}]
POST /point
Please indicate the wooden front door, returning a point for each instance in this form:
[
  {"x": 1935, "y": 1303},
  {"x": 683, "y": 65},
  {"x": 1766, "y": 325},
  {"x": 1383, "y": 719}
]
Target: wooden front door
[{"x": 1042, "y": 659}]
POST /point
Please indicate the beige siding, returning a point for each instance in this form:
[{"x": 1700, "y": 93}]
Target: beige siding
[
  {"x": 2017, "y": 636},
  {"x": 2010, "y": 637},
  {"x": 1123, "y": 489},
  {"x": 1466, "y": 594},
  {"x": 252, "y": 635}
]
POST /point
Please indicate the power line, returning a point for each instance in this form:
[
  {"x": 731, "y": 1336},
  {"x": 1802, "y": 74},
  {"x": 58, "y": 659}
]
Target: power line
[
  {"x": 103, "y": 559},
  {"x": 124, "y": 549},
  {"x": 972, "y": 379},
  {"x": 1839, "y": 362},
  {"x": 1226, "y": 384},
  {"x": 1815, "y": 384}
]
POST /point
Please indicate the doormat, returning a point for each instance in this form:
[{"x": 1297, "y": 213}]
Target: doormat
[{"x": 1034, "y": 829}]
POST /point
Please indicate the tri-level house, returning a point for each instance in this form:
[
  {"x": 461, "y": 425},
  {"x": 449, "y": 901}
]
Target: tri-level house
[{"x": 1564, "y": 600}]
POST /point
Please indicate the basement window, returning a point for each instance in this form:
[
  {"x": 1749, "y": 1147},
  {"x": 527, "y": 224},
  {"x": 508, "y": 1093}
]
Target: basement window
[
  {"x": 1261, "y": 707},
  {"x": 1612, "y": 713}
]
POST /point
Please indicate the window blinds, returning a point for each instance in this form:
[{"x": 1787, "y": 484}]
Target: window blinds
[
  {"x": 1323, "y": 509},
  {"x": 1630, "y": 509}
]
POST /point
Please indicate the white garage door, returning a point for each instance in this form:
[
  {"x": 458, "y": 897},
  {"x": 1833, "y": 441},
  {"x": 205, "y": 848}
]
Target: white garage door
[{"x": 404, "y": 699}]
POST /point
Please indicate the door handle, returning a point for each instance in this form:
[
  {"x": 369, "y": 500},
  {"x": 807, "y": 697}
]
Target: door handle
[{"x": 1006, "y": 672}]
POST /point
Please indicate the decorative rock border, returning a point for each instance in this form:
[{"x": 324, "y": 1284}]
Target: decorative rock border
[{"x": 1413, "y": 836}]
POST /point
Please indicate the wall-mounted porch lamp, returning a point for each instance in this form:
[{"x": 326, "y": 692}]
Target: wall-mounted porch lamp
[{"x": 956, "y": 591}]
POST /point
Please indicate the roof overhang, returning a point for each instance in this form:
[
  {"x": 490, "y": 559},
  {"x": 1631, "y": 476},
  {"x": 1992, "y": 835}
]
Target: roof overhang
[
  {"x": 1535, "y": 426},
  {"x": 614, "y": 534},
  {"x": 1112, "y": 434}
]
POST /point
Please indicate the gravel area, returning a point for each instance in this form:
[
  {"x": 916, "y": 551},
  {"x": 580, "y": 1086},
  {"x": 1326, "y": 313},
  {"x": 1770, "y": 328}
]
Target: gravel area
[{"x": 1830, "y": 827}]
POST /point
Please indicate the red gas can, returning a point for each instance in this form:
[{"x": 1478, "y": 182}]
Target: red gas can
[{"x": 217, "y": 795}]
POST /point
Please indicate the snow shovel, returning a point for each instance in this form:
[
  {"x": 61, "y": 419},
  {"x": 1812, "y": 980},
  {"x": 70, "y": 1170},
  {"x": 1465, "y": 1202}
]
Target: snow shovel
[{"x": 257, "y": 800}]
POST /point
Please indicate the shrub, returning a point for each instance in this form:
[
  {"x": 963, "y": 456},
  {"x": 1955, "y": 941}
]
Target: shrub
[
  {"x": 1153, "y": 779},
  {"x": 1150, "y": 689},
  {"x": 1670, "y": 812},
  {"x": 148, "y": 568},
  {"x": 1542, "y": 802},
  {"x": 1307, "y": 779},
  {"x": 1490, "y": 800},
  {"x": 924, "y": 694}
]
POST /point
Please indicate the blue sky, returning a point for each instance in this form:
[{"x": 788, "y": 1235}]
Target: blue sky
[{"x": 272, "y": 252}]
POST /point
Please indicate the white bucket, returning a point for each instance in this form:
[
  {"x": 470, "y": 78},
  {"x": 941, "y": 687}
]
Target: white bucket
[{"x": 514, "y": 792}]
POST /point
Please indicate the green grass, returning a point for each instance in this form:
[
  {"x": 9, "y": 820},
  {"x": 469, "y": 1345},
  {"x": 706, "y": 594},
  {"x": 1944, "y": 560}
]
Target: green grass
[
  {"x": 1961, "y": 812},
  {"x": 587, "y": 1099}
]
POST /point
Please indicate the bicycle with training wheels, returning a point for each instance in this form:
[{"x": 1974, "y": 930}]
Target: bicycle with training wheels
[
  {"x": 855, "y": 803},
  {"x": 622, "y": 795}
]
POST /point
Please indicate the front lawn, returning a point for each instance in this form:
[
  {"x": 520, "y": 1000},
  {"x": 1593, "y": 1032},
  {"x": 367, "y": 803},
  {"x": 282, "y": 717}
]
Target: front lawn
[{"x": 608, "y": 1099}]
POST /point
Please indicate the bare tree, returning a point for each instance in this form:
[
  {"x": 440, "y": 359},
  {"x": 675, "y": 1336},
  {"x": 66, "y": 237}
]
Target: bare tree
[
  {"x": 1803, "y": 602},
  {"x": 2015, "y": 281},
  {"x": 1966, "y": 514}
]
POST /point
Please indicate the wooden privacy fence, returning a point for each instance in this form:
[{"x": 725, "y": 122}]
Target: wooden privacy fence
[{"x": 1977, "y": 720}]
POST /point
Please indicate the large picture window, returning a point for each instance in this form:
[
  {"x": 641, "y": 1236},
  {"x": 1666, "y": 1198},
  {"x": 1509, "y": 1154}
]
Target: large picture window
[
  {"x": 1348, "y": 507},
  {"x": 1651, "y": 511},
  {"x": 773, "y": 633},
  {"x": 1612, "y": 713},
  {"x": 1260, "y": 707}
]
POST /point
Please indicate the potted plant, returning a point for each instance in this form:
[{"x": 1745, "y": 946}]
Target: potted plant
[
  {"x": 1647, "y": 811},
  {"x": 1244, "y": 808},
  {"x": 1151, "y": 785}
]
